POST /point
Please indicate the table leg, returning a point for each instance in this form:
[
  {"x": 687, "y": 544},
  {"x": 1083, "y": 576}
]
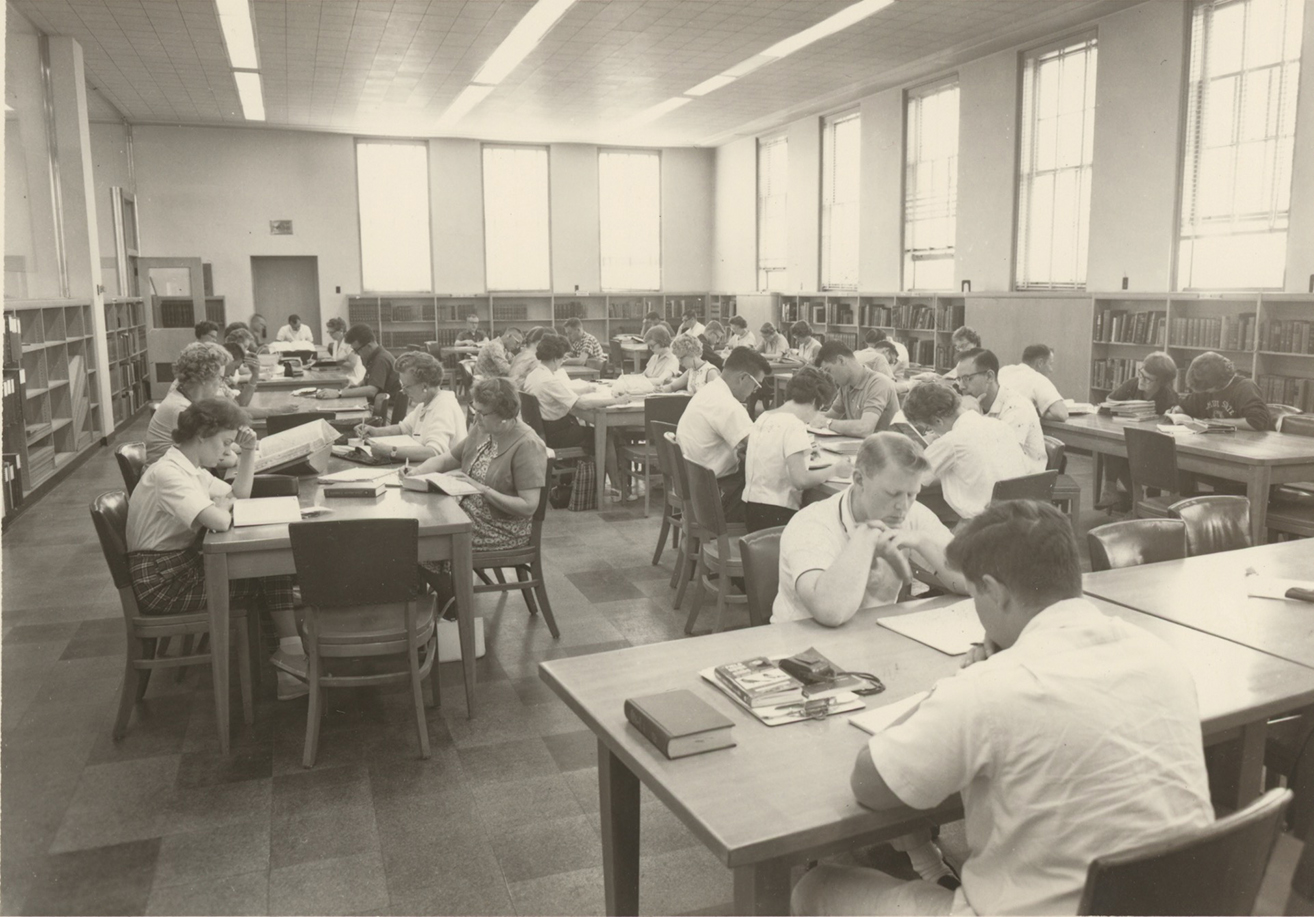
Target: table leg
[
  {"x": 762, "y": 888},
  {"x": 600, "y": 454},
  {"x": 463, "y": 577},
  {"x": 1098, "y": 487},
  {"x": 216, "y": 600},
  {"x": 1257, "y": 492},
  {"x": 618, "y": 793},
  {"x": 1236, "y": 767}
]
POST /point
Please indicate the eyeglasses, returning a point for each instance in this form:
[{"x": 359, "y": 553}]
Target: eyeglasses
[{"x": 963, "y": 377}]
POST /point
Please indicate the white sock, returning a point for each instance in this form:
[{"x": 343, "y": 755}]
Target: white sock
[
  {"x": 928, "y": 861},
  {"x": 292, "y": 646}
]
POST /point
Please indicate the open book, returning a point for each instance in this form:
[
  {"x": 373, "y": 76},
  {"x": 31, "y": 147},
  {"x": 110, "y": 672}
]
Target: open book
[
  {"x": 439, "y": 483},
  {"x": 1196, "y": 426},
  {"x": 300, "y": 442}
]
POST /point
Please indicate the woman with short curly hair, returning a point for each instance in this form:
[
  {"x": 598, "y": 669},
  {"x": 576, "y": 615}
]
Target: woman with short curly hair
[
  {"x": 435, "y": 419},
  {"x": 697, "y": 371},
  {"x": 198, "y": 374},
  {"x": 337, "y": 347},
  {"x": 1218, "y": 392},
  {"x": 662, "y": 365}
]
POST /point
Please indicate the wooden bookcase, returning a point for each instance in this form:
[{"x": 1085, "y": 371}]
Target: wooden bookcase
[
  {"x": 923, "y": 322},
  {"x": 53, "y": 341},
  {"x": 129, "y": 366}
]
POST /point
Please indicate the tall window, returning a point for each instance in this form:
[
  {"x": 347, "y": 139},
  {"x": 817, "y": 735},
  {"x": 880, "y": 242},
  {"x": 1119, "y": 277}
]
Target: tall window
[
  {"x": 630, "y": 219},
  {"x": 840, "y": 147},
  {"x": 516, "y": 242},
  {"x": 772, "y": 213},
  {"x": 1058, "y": 130},
  {"x": 392, "y": 188},
  {"x": 1240, "y": 131},
  {"x": 930, "y": 188}
]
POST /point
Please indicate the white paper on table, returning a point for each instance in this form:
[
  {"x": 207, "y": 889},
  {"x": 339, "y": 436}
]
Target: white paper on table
[
  {"x": 355, "y": 475},
  {"x": 401, "y": 440},
  {"x": 296, "y": 443},
  {"x": 266, "y": 511},
  {"x": 1174, "y": 430},
  {"x": 1079, "y": 407},
  {"x": 878, "y": 719},
  {"x": 951, "y": 629},
  {"x": 1271, "y": 587}
]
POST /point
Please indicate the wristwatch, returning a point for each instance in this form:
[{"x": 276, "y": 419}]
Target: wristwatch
[{"x": 393, "y": 456}]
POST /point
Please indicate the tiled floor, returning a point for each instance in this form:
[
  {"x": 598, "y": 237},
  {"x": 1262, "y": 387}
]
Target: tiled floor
[{"x": 503, "y": 819}]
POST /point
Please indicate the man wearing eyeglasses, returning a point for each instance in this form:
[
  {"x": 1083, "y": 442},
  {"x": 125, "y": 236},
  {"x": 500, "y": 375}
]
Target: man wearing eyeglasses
[
  {"x": 978, "y": 372},
  {"x": 867, "y": 400},
  {"x": 713, "y": 431}
]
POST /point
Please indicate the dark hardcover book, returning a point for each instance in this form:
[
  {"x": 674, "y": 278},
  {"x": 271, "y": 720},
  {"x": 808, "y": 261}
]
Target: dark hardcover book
[{"x": 679, "y": 723}]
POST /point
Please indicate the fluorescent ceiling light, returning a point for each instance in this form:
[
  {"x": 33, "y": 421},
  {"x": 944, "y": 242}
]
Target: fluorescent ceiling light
[
  {"x": 709, "y": 85},
  {"x": 826, "y": 27},
  {"x": 662, "y": 108},
  {"x": 745, "y": 67},
  {"x": 526, "y": 35},
  {"x": 239, "y": 34},
  {"x": 470, "y": 97},
  {"x": 248, "y": 89}
]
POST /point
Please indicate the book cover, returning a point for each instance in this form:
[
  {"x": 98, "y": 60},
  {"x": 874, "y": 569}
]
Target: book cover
[
  {"x": 759, "y": 682},
  {"x": 439, "y": 483},
  {"x": 354, "y": 489},
  {"x": 679, "y": 723}
]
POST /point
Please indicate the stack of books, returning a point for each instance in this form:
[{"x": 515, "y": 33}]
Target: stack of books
[
  {"x": 1131, "y": 411},
  {"x": 759, "y": 682}
]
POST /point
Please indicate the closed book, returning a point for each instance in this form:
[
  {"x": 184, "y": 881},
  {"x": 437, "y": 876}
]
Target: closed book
[
  {"x": 354, "y": 489},
  {"x": 759, "y": 682},
  {"x": 679, "y": 723}
]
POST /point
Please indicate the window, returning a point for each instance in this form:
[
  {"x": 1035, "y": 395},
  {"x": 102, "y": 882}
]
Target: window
[
  {"x": 1240, "y": 131},
  {"x": 930, "y": 188},
  {"x": 516, "y": 218},
  {"x": 392, "y": 187},
  {"x": 630, "y": 219},
  {"x": 840, "y": 146},
  {"x": 772, "y": 213},
  {"x": 1058, "y": 130}
]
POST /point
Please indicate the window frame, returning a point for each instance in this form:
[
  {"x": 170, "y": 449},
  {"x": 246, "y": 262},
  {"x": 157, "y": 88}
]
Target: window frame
[
  {"x": 910, "y": 255},
  {"x": 1086, "y": 42},
  {"x": 764, "y": 273},
  {"x": 829, "y": 127},
  {"x": 428, "y": 199},
  {"x": 602, "y": 283},
  {"x": 547, "y": 192}
]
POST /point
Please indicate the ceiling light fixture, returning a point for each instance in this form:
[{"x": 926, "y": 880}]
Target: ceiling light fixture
[
  {"x": 239, "y": 33},
  {"x": 526, "y": 35},
  {"x": 248, "y": 90},
  {"x": 710, "y": 85},
  {"x": 470, "y": 96},
  {"x": 661, "y": 108}
]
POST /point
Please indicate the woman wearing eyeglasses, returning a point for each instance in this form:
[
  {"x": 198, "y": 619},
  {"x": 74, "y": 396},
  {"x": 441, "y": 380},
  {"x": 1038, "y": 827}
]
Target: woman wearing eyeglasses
[{"x": 1154, "y": 381}]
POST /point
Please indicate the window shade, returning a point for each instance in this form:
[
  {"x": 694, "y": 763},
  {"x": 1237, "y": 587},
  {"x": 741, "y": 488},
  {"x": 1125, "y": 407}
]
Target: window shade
[
  {"x": 392, "y": 193},
  {"x": 840, "y": 151},
  {"x": 930, "y": 205},
  {"x": 772, "y": 213},
  {"x": 630, "y": 219},
  {"x": 516, "y": 244}
]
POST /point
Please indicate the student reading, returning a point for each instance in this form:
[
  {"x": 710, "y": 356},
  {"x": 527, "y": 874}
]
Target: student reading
[
  {"x": 978, "y": 377},
  {"x": 1031, "y": 378},
  {"x": 1070, "y": 735},
  {"x": 1154, "y": 381},
  {"x": 380, "y": 368},
  {"x": 866, "y": 399},
  {"x": 1218, "y": 392},
  {"x": 294, "y": 332},
  {"x": 495, "y": 357},
  {"x": 436, "y": 419}
]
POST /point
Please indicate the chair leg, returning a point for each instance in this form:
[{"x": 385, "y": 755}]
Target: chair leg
[
  {"x": 697, "y": 604},
  {"x": 523, "y": 575},
  {"x": 536, "y": 569},
  {"x": 179, "y": 675},
  {"x": 315, "y": 709},
  {"x": 661, "y": 538},
  {"x": 244, "y": 671},
  {"x": 679, "y": 565},
  {"x": 501, "y": 578},
  {"x": 149, "y": 650},
  {"x": 692, "y": 553},
  {"x": 647, "y": 487},
  {"x": 417, "y": 691},
  {"x": 483, "y": 575},
  {"x": 128, "y": 697}
]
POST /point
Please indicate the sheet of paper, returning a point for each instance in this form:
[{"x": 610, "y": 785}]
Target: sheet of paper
[
  {"x": 1173, "y": 430},
  {"x": 878, "y": 719},
  {"x": 356, "y": 475},
  {"x": 298, "y": 442},
  {"x": 1271, "y": 587},
  {"x": 388, "y": 442},
  {"x": 951, "y": 629},
  {"x": 266, "y": 511},
  {"x": 1079, "y": 407}
]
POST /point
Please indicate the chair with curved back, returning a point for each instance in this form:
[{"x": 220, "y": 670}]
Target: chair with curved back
[
  {"x": 690, "y": 534},
  {"x": 718, "y": 553},
  {"x": 1291, "y": 506},
  {"x": 131, "y": 458},
  {"x": 1216, "y": 869},
  {"x": 1067, "y": 492},
  {"x": 362, "y": 603},
  {"x": 563, "y": 461},
  {"x": 148, "y": 634},
  {"x": 672, "y": 502},
  {"x": 1133, "y": 542},
  {"x": 1217, "y": 522},
  {"x": 1152, "y": 458},
  {"x": 1038, "y": 486},
  {"x": 667, "y": 409},
  {"x": 760, "y": 552}
]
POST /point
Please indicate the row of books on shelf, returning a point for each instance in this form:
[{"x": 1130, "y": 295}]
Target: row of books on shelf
[
  {"x": 126, "y": 375},
  {"x": 1287, "y": 336},
  {"x": 1297, "y": 392},
  {"x": 123, "y": 345},
  {"x": 1116, "y": 326},
  {"x": 1225, "y": 332},
  {"x": 629, "y": 308},
  {"x": 11, "y": 472},
  {"x": 1112, "y": 372}
]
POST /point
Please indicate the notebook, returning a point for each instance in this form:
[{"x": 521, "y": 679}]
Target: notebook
[
  {"x": 878, "y": 719},
  {"x": 951, "y": 629},
  {"x": 266, "y": 511}
]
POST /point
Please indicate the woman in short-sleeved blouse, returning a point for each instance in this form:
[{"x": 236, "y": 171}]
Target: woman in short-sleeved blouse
[
  {"x": 663, "y": 364},
  {"x": 696, "y": 371}
]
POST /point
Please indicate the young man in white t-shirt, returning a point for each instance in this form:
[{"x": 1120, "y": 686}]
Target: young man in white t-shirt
[
  {"x": 1031, "y": 379},
  {"x": 1069, "y": 733},
  {"x": 978, "y": 376}
]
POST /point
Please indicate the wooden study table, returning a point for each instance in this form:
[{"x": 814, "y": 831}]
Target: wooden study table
[
  {"x": 576, "y": 371},
  {"x": 629, "y": 414},
  {"x": 265, "y": 550},
  {"x": 637, "y": 350},
  {"x": 349, "y": 411},
  {"x": 1257, "y": 459},
  {"x": 320, "y": 378},
  {"x": 782, "y": 795}
]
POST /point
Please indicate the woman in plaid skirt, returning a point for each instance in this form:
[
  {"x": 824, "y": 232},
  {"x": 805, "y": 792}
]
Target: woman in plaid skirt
[{"x": 176, "y": 500}]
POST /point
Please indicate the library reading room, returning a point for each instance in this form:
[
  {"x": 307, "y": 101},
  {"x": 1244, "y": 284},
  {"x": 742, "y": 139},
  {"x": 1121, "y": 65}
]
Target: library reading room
[{"x": 665, "y": 457}]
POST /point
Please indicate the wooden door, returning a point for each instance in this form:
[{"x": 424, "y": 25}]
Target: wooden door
[
  {"x": 174, "y": 293},
  {"x": 287, "y": 285}
]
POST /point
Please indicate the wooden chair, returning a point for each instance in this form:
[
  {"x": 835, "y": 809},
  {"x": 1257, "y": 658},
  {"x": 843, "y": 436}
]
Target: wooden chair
[
  {"x": 690, "y": 534},
  {"x": 562, "y": 466},
  {"x": 1214, "y": 523},
  {"x": 1067, "y": 492},
  {"x": 527, "y": 561},
  {"x": 362, "y": 603},
  {"x": 1133, "y": 542},
  {"x": 665, "y": 409},
  {"x": 760, "y": 551},
  {"x": 672, "y": 502},
  {"x": 148, "y": 635},
  {"x": 1038, "y": 486},
  {"x": 718, "y": 553},
  {"x": 1291, "y": 507},
  {"x": 131, "y": 458},
  {"x": 1152, "y": 457},
  {"x": 277, "y": 423},
  {"x": 1216, "y": 869}
]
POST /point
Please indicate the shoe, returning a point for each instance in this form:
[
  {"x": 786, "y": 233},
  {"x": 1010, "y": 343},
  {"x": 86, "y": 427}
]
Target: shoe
[
  {"x": 290, "y": 687},
  {"x": 1109, "y": 500},
  {"x": 289, "y": 664}
]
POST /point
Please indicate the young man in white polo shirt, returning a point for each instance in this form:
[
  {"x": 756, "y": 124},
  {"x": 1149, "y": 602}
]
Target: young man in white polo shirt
[
  {"x": 978, "y": 376},
  {"x": 866, "y": 400},
  {"x": 1069, "y": 733},
  {"x": 971, "y": 452},
  {"x": 1031, "y": 379},
  {"x": 713, "y": 431}
]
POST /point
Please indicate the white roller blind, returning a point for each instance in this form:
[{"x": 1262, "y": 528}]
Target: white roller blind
[
  {"x": 1240, "y": 133},
  {"x": 840, "y": 171},
  {"x": 1055, "y": 165},
  {"x": 392, "y": 192},
  {"x": 630, "y": 219},
  {"x": 930, "y": 205},
  {"x": 772, "y": 213},
  {"x": 516, "y": 245}
]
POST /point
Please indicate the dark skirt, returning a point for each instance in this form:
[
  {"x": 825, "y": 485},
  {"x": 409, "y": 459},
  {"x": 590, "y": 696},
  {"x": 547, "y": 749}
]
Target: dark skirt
[
  {"x": 173, "y": 583},
  {"x": 758, "y": 516}
]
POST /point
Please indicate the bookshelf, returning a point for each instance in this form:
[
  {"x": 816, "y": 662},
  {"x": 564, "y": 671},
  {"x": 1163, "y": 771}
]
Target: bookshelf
[
  {"x": 590, "y": 309},
  {"x": 625, "y": 312},
  {"x": 128, "y": 367},
  {"x": 923, "y": 322},
  {"x": 50, "y": 363},
  {"x": 1125, "y": 329},
  {"x": 1284, "y": 349}
]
